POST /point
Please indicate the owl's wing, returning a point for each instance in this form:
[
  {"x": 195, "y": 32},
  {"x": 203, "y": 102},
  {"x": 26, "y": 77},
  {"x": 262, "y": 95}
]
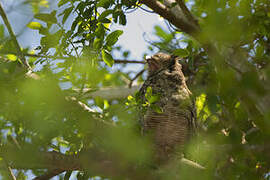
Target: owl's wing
[{"x": 169, "y": 130}]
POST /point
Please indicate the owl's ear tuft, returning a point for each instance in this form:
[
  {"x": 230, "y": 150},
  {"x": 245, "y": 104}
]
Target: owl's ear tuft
[{"x": 175, "y": 58}]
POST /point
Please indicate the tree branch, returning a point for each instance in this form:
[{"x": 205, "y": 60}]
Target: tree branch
[
  {"x": 14, "y": 39},
  {"x": 187, "y": 13},
  {"x": 117, "y": 61},
  {"x": 49, "y": 174},
  {"x": 136, "y": 76},
  {"x": 97, "y": 161},
  {"x": 109, "y": 93},
  {"x": 165, "y": 12},
  {"x": 9, "y": 170}
]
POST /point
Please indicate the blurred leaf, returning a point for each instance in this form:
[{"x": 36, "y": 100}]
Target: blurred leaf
[
  {"x": 11, "y": 57},
  {"x": 200, "y": 101},
  {"x": 2, "y": 31},
  {"x": 62, "y": 2},
  {"x": 34, "y": 25},
  {"x": 156, "y": 108},
  {"x": 67, "y": 175},
  {"x": 99, "y": 102},
  {"x": 181, "y": 53},
  {"x": 154, "y": 98},
  {"x": 97, "y": 43},
  {"x": 104, "y": 3},
  {"x": 48, "y": 18},
  {"x": 161, "y": 33},
  {"x": 148, "y": 93},
  {"x": 66, "y": 14}
]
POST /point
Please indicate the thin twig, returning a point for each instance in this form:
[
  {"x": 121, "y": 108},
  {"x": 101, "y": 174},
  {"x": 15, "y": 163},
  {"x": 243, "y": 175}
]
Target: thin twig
[
  {"x": 233, "y": 67},
  {"x": 10, "y": 173},
  {"x": 133, "y": 79},
  {"x": 192, "y": 164},
  {"x": 117, "y": 61},
  {"x": 14, "y": 39}
]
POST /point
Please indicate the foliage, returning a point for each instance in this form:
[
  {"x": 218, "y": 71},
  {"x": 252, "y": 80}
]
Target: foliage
[{"x": 230, "y": 86}]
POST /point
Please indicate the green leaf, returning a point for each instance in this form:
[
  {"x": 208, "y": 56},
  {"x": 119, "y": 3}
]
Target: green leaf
[
  {"x": 122, "y": 18},
  {"x": 97, "y": 43},
  {"x": 161, "y": 33},
  {"x": 105, "y": 20},
  {"x": 99, "y": 102},
  {"x": 181, "y": 53},
  {"x": 259, "y": 51},
  {"x": 67, "y": 175},
  {"x": 105, "y": 14},
  {"x": 2, "y": 31},
  {"x": 200, "y": 101},
  {"x": 11, "y": 57},
  {"x": 112, "y": 38},
  {"x": 62, "y": 2},
  {"x": 100, "y": 31},
  {"x": 104, "y": 3},
  {"x": 34, "y": 25},
  {"x": 154, "y": 98},
  {"x": 156, "y": 108},
  {"x": 48, "y": 18},
  {"x": 148, "y": 93},
  {"x": 130, "y": 98},
  {"x": 107, "y": 58},
  {"x": 66, "y": 14}
]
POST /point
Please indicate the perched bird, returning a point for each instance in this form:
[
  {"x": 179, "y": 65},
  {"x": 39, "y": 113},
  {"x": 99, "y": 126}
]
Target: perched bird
[{"x": 171, "y": 128}]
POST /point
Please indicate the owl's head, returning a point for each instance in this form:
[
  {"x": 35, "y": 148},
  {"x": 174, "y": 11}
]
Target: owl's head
[{"x": 160, "y": 61}]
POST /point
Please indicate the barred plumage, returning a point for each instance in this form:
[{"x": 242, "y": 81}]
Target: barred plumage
[{"x": 172, "y": 128}]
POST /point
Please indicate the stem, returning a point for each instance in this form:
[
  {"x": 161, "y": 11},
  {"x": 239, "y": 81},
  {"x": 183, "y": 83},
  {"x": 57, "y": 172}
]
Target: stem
[{"x": 14, "y": 39}]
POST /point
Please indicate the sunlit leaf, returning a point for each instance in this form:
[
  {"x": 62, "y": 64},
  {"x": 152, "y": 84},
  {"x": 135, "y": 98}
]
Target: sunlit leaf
[
  {"x": 156, "y": 108},
  {"x": 107, "y": 58},
  {"x": 97, "y": 43},
  {"x": 154, "y": 98},
  {"x": 34, "y": 25},
  {"x": 200, "y": 101},
  {"x": 11, "y": 57}
]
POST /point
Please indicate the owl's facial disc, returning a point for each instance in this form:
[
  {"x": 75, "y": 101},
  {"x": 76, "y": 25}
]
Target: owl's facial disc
[{"x": 153, "y": 65}]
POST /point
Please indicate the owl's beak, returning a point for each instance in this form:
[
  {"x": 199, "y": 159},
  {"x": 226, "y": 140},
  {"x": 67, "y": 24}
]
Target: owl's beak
[{"x": 152, "y": 64}]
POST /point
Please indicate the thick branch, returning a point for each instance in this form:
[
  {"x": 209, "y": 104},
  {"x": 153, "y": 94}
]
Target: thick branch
[
  {"x": 110, "y": 93},
  {"x": 100, "y": 163},
  {"x": 165, "y": 12},
  {"x": 187, "y": 13},
  {"x": 49, "y": 175}
]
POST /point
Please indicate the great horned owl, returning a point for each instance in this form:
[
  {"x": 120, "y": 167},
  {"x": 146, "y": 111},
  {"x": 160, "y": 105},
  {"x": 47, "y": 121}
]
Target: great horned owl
[{"x": 170, "y": 129}]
